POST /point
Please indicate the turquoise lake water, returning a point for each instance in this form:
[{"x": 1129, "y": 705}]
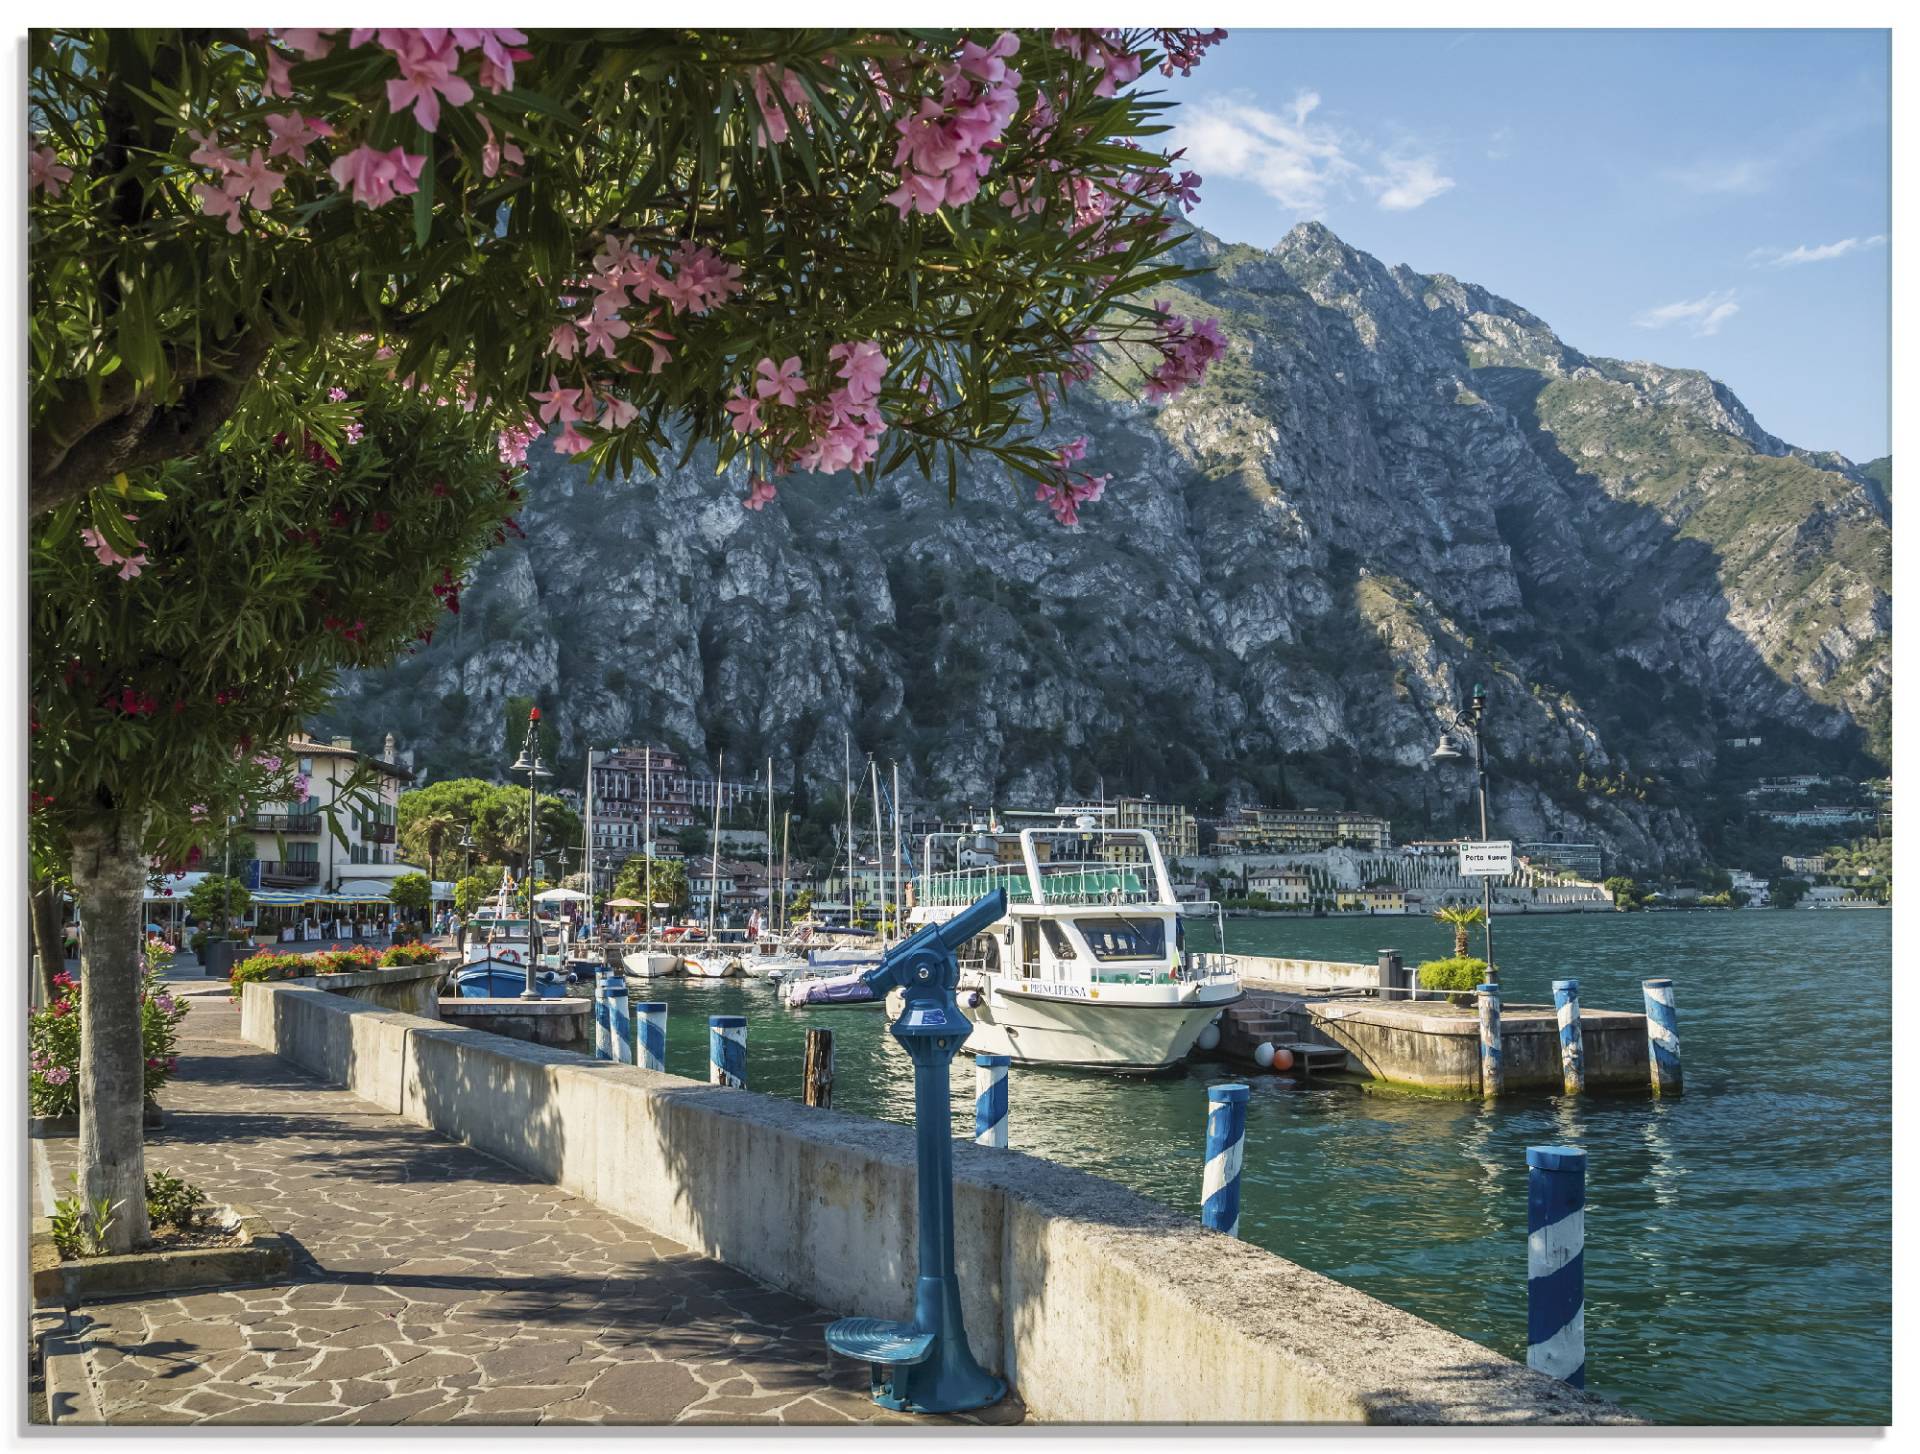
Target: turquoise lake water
[{"x": 1738, "y": 1238}]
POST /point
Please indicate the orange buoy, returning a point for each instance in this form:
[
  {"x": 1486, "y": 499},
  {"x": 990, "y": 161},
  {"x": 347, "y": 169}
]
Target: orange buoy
[{"x": 1282, "y": 1058}]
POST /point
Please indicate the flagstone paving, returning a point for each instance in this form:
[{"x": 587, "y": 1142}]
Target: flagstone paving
[{"x": 433, "y": 1285}]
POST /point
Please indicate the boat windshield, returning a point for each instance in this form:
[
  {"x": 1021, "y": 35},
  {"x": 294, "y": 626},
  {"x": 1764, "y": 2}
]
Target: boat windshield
[
  {"x": 502, "y": 928},
  {"x": 1124, "y": 938}
]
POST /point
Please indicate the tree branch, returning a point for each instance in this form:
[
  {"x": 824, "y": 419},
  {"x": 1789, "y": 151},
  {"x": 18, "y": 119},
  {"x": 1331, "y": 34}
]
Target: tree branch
[{"x": 83, "y": 446}]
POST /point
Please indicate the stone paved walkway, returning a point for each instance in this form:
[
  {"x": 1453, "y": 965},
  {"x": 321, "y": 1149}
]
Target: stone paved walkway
[{"x": 433, "y": 1285}]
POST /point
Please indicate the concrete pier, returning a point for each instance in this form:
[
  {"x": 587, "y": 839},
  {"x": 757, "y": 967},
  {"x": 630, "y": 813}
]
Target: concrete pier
[{"x": 1434, "y": 1045}]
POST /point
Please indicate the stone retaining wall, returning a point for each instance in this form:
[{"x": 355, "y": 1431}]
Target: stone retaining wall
[
  {"x": 1097, "y": 1303},
  {"x": 1437, "y": 1046}
]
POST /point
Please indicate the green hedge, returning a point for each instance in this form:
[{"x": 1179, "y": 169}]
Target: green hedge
[{"x": 1453, "y": 974}]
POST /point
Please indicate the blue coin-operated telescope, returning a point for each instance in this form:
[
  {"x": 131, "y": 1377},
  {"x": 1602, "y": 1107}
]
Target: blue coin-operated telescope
[{"x": 925, "y": 1366}]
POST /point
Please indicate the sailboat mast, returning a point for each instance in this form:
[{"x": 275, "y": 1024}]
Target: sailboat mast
[
  {"x": 899, "y": 884},
  {"x": 770, "y": 928},
  {"x": 713, "y": 873},
  {"x": 786, "y": 825},
  {"x": 846, "y": 778},
  {"x": 879, "y": 852},
  {"x": 646, "y": 834}
]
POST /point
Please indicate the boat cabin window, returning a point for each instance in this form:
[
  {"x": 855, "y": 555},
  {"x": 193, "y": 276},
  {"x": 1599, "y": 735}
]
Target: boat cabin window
[
  {"x": 1029, "y": 948},
  {"x": 1124, "y": 938},
  {"x": 1057, "y": 940},
  {"x": 503, "y": 928}
]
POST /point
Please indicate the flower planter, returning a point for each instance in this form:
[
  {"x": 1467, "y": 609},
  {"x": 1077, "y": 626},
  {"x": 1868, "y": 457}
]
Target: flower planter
[{"x": 258, "y": 1253}]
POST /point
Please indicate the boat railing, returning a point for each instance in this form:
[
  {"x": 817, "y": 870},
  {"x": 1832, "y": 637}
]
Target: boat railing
[{"x": 1091, "y": 883}]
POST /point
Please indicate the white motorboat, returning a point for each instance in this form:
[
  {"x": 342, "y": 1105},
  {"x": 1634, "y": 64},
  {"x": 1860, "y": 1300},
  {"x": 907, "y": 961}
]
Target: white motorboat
[
  {"x": 499, "y": 945},
  {"x": 1090, "y": 965},
  {"x": 645, "y": 963}
]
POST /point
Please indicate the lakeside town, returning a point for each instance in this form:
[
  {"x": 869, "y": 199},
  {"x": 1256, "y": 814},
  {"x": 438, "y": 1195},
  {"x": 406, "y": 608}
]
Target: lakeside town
[{"x": 308, "y": 884}]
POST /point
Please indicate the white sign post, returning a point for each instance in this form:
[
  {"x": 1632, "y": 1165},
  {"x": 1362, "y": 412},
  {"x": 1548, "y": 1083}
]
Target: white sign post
[{"x": 1493, "y": 859}]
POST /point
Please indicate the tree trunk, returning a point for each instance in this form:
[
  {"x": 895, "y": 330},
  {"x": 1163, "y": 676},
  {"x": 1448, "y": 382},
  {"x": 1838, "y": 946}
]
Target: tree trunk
[
  {"x": 109, "y": 877},
  {"x": 49, "y": 947},
  {"x": 1459, "y": 941}
]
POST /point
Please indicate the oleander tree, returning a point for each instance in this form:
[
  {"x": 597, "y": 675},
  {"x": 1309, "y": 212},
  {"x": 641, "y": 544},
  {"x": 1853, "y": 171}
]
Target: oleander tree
[
  {"x": 160, "y": 691},
  {"x": 297, "y": 295},
  {"x": 836, "y": 252}
]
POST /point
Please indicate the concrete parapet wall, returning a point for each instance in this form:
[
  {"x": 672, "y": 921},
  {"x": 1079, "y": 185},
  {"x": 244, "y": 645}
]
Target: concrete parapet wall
[
  {"x": 1097, "y": 1303},
  {"x": 414, "y": 988},
  {"x": 1258, "y": 971}
]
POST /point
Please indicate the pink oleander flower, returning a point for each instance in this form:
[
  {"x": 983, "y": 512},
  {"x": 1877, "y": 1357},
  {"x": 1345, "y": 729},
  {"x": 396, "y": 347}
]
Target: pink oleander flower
[
  {"x": 602, "y": 330},
  {"x": 863, "y": 365},
  {"x": 163, "y": 1003},
  {"x": 782, "y": 382},
  {"x": 336, "y": 395},
  {"x": 56, "y": 1075},
  {"x": 760, "y": 496},
  {"x": 378, "y": 177},
  {"x": 209, "y": 152},
  {"x": 1186, "y": 350},
  {"x": 562, "y": 405},
  {"x": 216, "y": 202},
  {"x": 45, "y": 171},
  {"x": 1069, "y": 489},
  {"x": 253, "y": 181},
  {"x": 355, "y": 431},
  {"x": 130, "y": 565},
  {"x": 279, "y": 75},
  {"x": 746, "y": 413},
  {"x": 617, "y": 414},
  {"x": 564, "y": 340},
  {"x": 570, "y": 440},
  {"x": 426, "y": 74},
  {"x": 312, "y": 44},
  {"x": 772, "y": 127},
  {"x": 301, "y": 784},
  {"x": 495, "y": 151},
  {"x": 292, "y": 135},
  {"x": 946, "y": 145},
  {"x": 513, "y": 442},
  {"x": 700, "y": 279}
]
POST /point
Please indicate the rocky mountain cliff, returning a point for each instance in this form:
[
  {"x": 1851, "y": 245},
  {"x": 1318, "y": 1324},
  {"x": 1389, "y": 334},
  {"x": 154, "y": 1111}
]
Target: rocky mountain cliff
[{"x": 1393, "y": 486}]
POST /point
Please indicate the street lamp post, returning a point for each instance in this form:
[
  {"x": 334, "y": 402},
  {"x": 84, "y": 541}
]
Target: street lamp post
[
  {"x": 529, "y": 763},
  {"x": 1471, "y": 720}
]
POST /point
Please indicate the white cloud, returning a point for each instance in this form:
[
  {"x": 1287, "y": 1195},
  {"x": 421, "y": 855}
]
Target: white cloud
[
  {"x": 1302, "y": 163},
  {"x": 1500, "y": 144},
  {"x": 1741, "y": 174},
  {"x": 1409, "y": 182},
  {"x": 1701, "y": 316},
  {"x": 1777, "y": 257},
  {"x": 1298, "y": 162}
]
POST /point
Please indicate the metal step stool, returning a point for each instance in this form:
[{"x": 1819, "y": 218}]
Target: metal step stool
[{"x": 882, "y": 1345}]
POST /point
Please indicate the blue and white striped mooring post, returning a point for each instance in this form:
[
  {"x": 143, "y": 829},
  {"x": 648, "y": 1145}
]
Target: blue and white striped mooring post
[
  {"x": 1573, "y": 1050},
  {"x": 727, "y": 1050},
  {"x": 602, "y": 1032},
  {"x": 990, "y": 1099},
  {"x": 650, "y": 1034},
  {"x": 1226, "y": 1149},
  {"x": 1556, "y": 1262},
  {"x": 1492, "y": 1076},
  {"x": 619, "y": 1024},
  {"x": 1663, "y": 1036}
]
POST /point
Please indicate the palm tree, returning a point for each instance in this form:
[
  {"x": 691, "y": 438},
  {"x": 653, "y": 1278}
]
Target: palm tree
[
  {"x": 1460, "y": 921},
  {"x": 434, "y": 833}
]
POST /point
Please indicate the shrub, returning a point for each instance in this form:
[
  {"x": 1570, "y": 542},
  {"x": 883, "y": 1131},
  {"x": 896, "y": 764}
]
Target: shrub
[
  {"x": 53, "y": 1044},
  {"x": 175, "y": 1202},
  {"x": 1459, "y": 973},
  {"x": 80, "y": 1230}
]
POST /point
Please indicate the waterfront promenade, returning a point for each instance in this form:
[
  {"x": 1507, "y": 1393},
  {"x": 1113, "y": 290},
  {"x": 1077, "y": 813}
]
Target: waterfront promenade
[{"x": 431, "y": 1285}]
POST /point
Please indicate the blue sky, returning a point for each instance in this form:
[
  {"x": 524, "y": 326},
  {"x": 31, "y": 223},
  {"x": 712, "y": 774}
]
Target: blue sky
[{"x": 1708, "y": 199}]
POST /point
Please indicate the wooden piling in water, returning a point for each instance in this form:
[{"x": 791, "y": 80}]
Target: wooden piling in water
[{"x": 817, "y": 1074}]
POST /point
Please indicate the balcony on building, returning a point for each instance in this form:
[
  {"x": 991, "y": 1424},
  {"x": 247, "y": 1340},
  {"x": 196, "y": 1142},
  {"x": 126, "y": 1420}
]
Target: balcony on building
[
  {"x": 295, "y": 874},
  {"x": 283, "y": 822}
]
